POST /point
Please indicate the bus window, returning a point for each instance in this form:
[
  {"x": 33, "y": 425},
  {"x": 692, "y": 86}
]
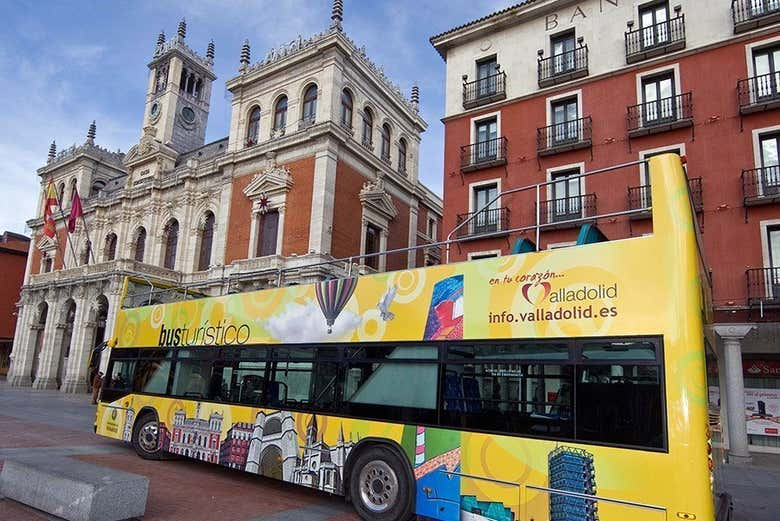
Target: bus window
[
  {"x": 396, "y": 352},
  {"x": 121, "y": 375},
  {"x": 514, "y": 398},
  {"x": 619, "y": 350},
  {"x": 516, "y": 351},
  {"x": 243, "y": 382},
  {"x": 151, "y": 375},
  {"x": 191, "y": 378},
  {"x": 290, "y": 384},
  {"x": 620, "y": 404}
]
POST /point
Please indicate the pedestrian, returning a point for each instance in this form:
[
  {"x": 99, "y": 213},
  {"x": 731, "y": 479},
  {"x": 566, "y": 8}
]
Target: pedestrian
[{"x": 96, "y": 383}]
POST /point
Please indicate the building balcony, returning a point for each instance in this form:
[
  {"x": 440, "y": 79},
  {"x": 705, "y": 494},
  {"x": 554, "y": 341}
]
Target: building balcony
[
  {"x": 655, "y": 40},
  {"x": 563, "y": 67},
  {"x": 306, "y": 122},
  {"x": 761, "y": 185},
  {"x": 484, "y": 154},
  {"x": 567, "y": 212},
  {"x": 763, "y": 287},
  {"x": 660, "y": 115},
  {"x": 562, "y": 137},
  {"x": 750, "y": 14},
  {"x": 759, "y": 93},
  {"x": 484, "y": 90},
  {"x": 640, "y": 198},
  {"x": 100, "y": 269},
  {"x": 487, "y": 222}
]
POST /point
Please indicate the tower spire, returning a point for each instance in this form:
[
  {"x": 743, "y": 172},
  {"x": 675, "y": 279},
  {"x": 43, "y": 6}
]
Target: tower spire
[
  {"x": 416, "y": 97},
  {"x": 337, "y": 14},
  {"x": 161, "y": 38},
  {"x": 52, "y": 152},
  {"x": 181, "y": 31},
  {"x": 210, "y": 50},
  {"x": 91, "y": 133},
  {"x": 245, "y": 55}
]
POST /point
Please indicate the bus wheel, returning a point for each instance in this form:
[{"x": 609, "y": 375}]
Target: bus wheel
[
  {"x": 380, "y": 487},
  {"x": 146, "y": 437}
]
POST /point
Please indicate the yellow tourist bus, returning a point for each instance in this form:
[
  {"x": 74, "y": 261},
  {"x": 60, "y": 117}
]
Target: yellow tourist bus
[{"x": 551, "y": 385}]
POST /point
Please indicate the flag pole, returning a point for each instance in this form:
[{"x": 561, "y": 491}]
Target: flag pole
[
  {"x": 86, "y": 232},
  {"x": 56, "y": 236},
  {"x": 67, "y": 236}
]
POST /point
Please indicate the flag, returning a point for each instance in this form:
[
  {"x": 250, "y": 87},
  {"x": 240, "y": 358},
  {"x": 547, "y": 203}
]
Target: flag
[
  {"x": 49, "y": 207},
  {"x": 75, "y": 211}
]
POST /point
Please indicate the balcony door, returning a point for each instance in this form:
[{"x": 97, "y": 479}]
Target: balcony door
[
  {"x": 566, "y": 196},
  {"x": 770, "y": 165},
  {"x": 658, "y": 99},
  {"x": 486, "y": 77},
  {"x": 772, "y": 278},
  {"x": 566, "y": 124},
  {"x": 486, "y": 221},
  {"x": 654, "y": 20},
  {"x": 766, "y": 63},
  {"x": 487, "y": 140},
  {"x": 563, "y": 53}
]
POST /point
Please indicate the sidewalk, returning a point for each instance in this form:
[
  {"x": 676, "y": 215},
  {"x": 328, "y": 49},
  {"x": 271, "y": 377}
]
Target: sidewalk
[{"x": 754, "y": 488}]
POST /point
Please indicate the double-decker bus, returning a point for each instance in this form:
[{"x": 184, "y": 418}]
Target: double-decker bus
[{"x": 548, "y": 385}]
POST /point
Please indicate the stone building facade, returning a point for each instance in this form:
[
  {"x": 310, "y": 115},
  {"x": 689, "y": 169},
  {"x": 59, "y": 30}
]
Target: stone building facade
[{"x": 321, "y": 163}]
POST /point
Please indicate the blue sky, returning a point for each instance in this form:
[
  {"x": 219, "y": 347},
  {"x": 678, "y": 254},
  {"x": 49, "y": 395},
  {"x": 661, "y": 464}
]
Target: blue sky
[{"x": 63, "y": 64}]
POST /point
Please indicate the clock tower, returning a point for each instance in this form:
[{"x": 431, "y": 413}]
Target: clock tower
[{"x": 177, "y": 99}]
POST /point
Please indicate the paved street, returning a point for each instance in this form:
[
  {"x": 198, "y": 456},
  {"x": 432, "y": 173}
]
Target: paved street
[{"x": 61, "y": 424}]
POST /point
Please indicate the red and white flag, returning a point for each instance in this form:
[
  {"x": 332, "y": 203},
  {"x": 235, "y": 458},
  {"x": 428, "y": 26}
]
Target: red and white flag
[{"x": 75, "y": 211}]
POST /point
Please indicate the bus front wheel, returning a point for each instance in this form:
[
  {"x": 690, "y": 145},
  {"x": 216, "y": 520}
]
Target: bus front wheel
[
  {"x": 380, "y": 487},
  {"x": 146, "y": 437}
]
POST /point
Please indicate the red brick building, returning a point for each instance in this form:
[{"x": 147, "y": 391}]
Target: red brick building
[
  {"x": 547, "y": 89},
  {"x": 13, "y": 260}
]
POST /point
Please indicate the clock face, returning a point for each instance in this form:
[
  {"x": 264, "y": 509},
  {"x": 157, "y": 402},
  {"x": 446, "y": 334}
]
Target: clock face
[
  {"x": 188, "y": 114},
  {"x": 155, "y": 110}
]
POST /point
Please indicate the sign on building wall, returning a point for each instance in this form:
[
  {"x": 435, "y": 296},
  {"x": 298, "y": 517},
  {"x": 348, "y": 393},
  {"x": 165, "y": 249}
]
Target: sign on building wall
[{"x": 762, "y": 410}]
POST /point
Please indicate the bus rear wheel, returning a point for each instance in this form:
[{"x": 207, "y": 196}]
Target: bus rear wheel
[
  {"x": 380, "y": 487},
  {"x": 146, "y": 437}
]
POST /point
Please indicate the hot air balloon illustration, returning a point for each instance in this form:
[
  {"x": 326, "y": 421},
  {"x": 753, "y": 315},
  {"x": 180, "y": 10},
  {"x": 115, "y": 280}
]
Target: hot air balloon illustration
[{"x": 332, "y": 296}]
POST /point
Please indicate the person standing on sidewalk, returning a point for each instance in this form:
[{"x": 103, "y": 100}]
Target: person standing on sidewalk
[{"x": 97, "y": 381}]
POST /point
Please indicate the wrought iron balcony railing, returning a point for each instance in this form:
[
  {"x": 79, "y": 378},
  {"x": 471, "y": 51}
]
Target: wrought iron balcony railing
[
  {"x": 660, "y": 115},
  {"x": 759, "y": 93},
  {"x": 640, "y": 197},
  {"x": 656, "y": 39},
  {"x": 563, "y": 67},
  {"x": 761, "y": 185},
  {"x": 483, "y": 154},
  {"x": 763, "y": 286},
  {"x": 563, "y": 209},
  {"x": 560, "y": 137},
  {"x": 749, "y": 14},
  {"x": 484, "y": 90},
  {"x": 489, "y": 221}
]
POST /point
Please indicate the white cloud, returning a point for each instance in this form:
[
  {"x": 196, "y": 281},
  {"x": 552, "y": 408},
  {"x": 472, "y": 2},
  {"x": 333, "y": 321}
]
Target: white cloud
[{"x": 306, "y": 323}]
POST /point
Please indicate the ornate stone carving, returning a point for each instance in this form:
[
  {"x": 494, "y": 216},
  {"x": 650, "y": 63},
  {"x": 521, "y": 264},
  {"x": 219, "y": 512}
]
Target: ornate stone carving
[{"x": 374, "y": 196}]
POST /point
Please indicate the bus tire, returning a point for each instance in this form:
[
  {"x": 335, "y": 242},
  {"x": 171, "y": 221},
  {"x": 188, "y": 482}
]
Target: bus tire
[
  {"x": 146, "y": 437},
  {"x": 379, "y": 486}
]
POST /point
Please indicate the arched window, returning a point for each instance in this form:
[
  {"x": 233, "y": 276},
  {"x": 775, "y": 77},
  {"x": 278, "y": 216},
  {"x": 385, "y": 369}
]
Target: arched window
[
  {"x": 309, "y": 115},
  {"x": 183, "y": 80},
  {"x": 47, "y": 263},
  {"x": 86, "y": 253},
  {"x": 402, "y": 155},
  {"x": 110, "y": 249},
  {"x": 61, "y": 194},
  {"x": 280, "y": 116},
  {"x": 385, "y": 150},
  {"x": 368, "y": 127},
  {"x": 72, "y": 190},
  {"x": 206, "y": 239},
  {"x": 97, "y": 186},
  {"x": 140, "y": 244},
  {"x": 171, "y": 234},
  {"x": 253, "y": 130},
  {"x": 346, "y": 108}
]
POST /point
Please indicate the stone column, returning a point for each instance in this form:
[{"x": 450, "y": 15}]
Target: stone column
[
  {"x": 323, "y": 201},
  {"x": 21, "y": 356},
  {"x": 732, "y": 336},
  {"x": 50, "y": 351},
  {"x": 83, "y": 331},
  {"x": 411, "y": 258}
]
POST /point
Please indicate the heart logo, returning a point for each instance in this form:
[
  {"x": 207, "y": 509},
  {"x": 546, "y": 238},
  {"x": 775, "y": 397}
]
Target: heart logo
[{"x": 526, "y": 287}]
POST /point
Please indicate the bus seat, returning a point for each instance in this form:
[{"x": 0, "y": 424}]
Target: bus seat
[
  {"x": 471, "y": 393},
  {"x": 523, "y": 245},
  {"x": 453, "y": 395},
  {"x": 590, "y": 234}
]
